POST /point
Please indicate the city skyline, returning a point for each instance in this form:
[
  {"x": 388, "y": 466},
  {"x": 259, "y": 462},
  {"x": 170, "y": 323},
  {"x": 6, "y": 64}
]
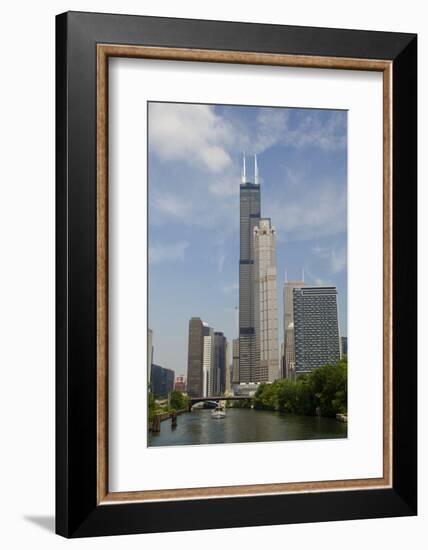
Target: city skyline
[{"x": 193, "y": 221}]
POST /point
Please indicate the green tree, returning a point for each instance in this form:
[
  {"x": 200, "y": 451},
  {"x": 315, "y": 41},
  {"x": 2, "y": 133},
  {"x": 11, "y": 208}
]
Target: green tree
[
  {"x": 324, "y": 388},
  {"x": 152, "y": 406},
  {"x": 331, "y": 384},
  {"x": 266, "y": 397},
  {"x": 178, "y": 400},
  {"x": 287, "y": 396}
]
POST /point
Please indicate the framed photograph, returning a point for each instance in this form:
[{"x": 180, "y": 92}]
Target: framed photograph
[{"x": 233, "y": 202}]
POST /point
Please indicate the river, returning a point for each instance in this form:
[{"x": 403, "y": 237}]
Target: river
[{"x": 245, "y": 426}]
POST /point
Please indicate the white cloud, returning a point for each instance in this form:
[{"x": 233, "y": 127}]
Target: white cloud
[
  {"x": 210, "y": 144},
  {"x": 172, "y": 206},
  {"x": 336, "y": 258},
  {"x": 197, "y": 209},
  {"x": 294, "y": 128},
  {"x": 190, "y": 133},
  {"x": 313, "y": 212},
  {"x": 272, "y": 123},
  {"x": 198, "y": 136},
  {"x": 310, "y": 128},
  {"x": 312, "y": 278},
  {"x": 160, "y": 252},
  {"x": 225, "y": 187}
]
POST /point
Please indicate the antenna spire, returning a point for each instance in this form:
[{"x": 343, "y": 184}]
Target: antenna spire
[
  {"x": 286, "y": 278},
  {"x": 256, "y": 170},
  {"x": 243, "y": 175}
]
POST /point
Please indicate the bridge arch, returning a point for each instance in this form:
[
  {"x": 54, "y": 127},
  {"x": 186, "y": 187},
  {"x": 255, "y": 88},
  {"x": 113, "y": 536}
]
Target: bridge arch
[{"x": 217, "y": 398}]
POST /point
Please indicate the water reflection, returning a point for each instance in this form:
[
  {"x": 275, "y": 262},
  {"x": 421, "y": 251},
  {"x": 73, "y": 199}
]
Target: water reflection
[{"x": 245, "y": 426}]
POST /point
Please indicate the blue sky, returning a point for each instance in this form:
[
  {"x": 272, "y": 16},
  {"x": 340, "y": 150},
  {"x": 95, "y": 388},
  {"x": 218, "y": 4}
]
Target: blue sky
[{"x": 195, "y": 160}]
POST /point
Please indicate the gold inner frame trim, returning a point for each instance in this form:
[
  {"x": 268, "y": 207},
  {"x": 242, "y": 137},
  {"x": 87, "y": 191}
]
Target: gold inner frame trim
[{"x": 104, "y": 51}]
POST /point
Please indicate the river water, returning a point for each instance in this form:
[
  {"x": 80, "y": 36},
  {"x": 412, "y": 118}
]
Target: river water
[{"x": 245, "y": 426}]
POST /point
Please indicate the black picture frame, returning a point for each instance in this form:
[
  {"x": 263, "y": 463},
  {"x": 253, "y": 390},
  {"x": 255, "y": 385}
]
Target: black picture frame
[{"x": 77, "y": 511}]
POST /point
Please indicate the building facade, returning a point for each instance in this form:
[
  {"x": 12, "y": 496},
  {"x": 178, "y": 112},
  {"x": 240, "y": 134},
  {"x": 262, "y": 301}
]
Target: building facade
[
  {"x": 316, "y": 327},
  {"x": 208, "y": 362},
  {"x": 235, "y": 361},
  {"x": 343, "y": 346},
  {"x": 220, "y": 364},
  {"x": 266, "y": 302},
  {"x": 229, "y": 366},
  {"x": 195, "y": 357},
  {"x": 149, "y": 353},
  {"x": 180, "y": 384},
  {"x": 162, "y": 381},
  {"x": 289, "y": 352},
  {"x": 249, "y": 216}
]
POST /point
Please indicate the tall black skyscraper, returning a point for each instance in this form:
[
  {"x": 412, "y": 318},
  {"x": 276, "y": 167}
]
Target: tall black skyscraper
[
  {"x": 220, "y": 363},
  {"x": 195, "y": 357},
  {"x": 249, "y": 219}
]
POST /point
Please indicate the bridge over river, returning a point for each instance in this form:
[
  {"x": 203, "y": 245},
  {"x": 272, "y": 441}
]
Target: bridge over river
[{"x": 217, "y": 398}]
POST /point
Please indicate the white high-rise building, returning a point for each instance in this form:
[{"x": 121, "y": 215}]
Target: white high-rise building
[
  {"x": 208, "y": 361},
  {"x": 228, "y": 378},
  {"x": 266, "y": 304}
]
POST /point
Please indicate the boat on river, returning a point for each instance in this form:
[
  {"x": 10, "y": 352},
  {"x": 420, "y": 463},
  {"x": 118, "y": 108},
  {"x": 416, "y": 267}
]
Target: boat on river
[{"x": 218, "y": 412}]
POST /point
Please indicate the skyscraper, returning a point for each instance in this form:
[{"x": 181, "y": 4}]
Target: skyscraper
[
  {"x": 343, "y": 346},
  {"x": 235, "y": 361},
  {"x": 316, "y": 328},
  {"x": 162, "y": 381},
  {"x": 228, "y": 382},
  {"x": 208, "y": 361},
  {"x": 149, "y": 353},
  {"x": 289, "y": 353},
  {"x": 266, "y": 302},
  {"x": 220, "y": 363},
  {"x": 180, "y": 384},
  {"x": 195, "y": 357},
  {"x": 248, "y": 219}
]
